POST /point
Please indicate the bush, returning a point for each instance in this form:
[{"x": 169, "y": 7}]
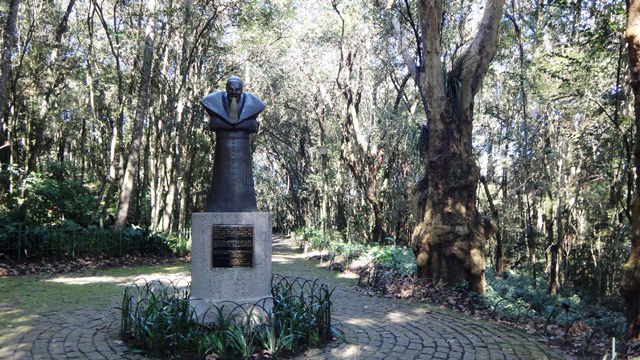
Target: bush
[
  {"x": 516, "y": 297},
  {"x": 157, "y": 319},
  {"x": 313, "y": 238},
  {"x": 54, "y": 196},
  {"x": 399, "y": 259},
  {"x": 395, "y": 258},
  {"x": 70, "y": 240}
]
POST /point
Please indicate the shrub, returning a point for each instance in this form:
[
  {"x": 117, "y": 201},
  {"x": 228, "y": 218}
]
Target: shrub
[
  {"x": 157, "y": 319},
  {"x": 516, "y": 298},
  {"x": 395, "y": 258},
  {"x": 69, "y": 240},
  {"x": 399, "y": 259},
  {"x": 53, "y": 196}
]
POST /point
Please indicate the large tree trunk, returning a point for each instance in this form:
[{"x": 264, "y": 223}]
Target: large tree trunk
[
  {"x": 449, "y": 240},
  {"x": 8, "y": 45},
  {"x": 450, "y": 236},
  {"x": 136, "y": 138},
  {"x": 630, "y": 283}
]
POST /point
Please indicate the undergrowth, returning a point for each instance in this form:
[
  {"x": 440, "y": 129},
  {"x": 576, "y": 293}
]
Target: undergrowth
[
  {"x": 514, "y": 298},
  {"x": 397, "y": 258}
]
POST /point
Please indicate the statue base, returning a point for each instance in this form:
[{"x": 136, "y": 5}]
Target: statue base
[{"x": 230, "y": 263}]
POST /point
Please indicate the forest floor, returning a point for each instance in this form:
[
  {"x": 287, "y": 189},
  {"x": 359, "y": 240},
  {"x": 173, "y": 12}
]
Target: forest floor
[{"x": 74, "y": 316}]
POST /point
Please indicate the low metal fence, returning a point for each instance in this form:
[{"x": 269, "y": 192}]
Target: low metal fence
[{"x": 21, "y": 243}]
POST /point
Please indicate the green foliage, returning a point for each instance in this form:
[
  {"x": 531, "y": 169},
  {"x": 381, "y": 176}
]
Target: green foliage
[
  {"x": 242, "y": 339},
  {"x": 349, "y": 250},
  {"x": 178, "y": 244},
  {"x": 397, "y": 258},
  {"x": 517, "y": 298},
  {"x": 160, "y": 321},
  {"x": 55, "y": 195},
  {"x": 69, "y": 240},
  {"x": 303, "y": 307},
  {"x": 275, "y": 339},
  {"x": 313, "y": 238},
  {"x": 156, "y": 318}
]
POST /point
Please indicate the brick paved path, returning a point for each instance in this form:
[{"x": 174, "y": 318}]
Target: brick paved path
[{"x": 374, "y": 328}]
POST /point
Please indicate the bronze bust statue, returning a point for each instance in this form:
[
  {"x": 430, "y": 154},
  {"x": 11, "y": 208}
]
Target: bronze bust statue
[{"x": 233, "y": 116}]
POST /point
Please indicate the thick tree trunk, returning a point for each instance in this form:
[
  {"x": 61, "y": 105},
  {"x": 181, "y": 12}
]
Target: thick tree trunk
[
  {"x": 8, "y": 46},
  {"x": 449, "y": 239},
  {"x": 630, "y": 283},
  {"x": 136, "y": 138}
]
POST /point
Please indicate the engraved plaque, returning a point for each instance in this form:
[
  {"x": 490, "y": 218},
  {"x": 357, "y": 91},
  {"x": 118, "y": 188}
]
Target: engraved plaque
[{"x": 232, "y": 246}]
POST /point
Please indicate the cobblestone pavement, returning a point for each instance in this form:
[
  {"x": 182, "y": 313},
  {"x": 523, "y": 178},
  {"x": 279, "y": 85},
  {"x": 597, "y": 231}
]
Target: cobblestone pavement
[{"x": 373, "y": 328}]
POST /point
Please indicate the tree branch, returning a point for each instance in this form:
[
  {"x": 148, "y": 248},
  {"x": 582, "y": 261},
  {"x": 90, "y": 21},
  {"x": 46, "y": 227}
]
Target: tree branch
[
  {"x": 431, "y": 75},
  {"x": 408, "y": 60},
  {"x": 475, "y": 61}
]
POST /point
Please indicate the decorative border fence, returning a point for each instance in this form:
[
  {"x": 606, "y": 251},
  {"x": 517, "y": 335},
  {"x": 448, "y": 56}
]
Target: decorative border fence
[{"x": 157, "y": 318}]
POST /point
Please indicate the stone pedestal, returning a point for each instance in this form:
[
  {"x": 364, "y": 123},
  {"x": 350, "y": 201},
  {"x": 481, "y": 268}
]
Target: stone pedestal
[{"x": 230, "y": 259}]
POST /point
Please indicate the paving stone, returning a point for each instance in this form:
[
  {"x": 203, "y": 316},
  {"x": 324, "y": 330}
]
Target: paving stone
[
  {"x": 374, "y": 328},
  {"x": 408, "y": 356}
]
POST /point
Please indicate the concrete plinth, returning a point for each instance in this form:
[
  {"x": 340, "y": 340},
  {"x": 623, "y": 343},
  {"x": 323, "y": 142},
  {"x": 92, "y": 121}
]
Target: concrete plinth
[{"x": 214, "y": 285}]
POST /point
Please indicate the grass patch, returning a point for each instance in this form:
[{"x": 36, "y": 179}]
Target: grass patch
[{"x": 24, "y": 296}]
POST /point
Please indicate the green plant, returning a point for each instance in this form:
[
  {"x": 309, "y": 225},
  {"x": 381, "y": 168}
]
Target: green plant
[
  {"x": 212, "y": 343},
  {"x": 53, "y": 196},
  {"x": 242, "y": 339},
  {"x": 178, "y": 244},
  {"x": 70, "y": 240},
  {"x": 157, "y": 318},
  {"x": 274, "y": 335},
  {"x": 397, "y": 258},
  {"x": 516, "y": 298},
  {"x": 313, "y": 238}
]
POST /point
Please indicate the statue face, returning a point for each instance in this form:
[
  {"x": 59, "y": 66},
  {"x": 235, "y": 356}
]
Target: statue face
[{"x": 234, "y": 87}]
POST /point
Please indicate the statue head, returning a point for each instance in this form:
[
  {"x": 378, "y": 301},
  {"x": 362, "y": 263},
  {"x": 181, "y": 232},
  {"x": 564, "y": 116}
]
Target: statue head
[{"x": 234, "y": 87}]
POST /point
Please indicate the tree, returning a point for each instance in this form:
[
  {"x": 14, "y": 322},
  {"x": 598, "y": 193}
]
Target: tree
[
  {"x": 450, "y": 236},
  {"x": 630, "y": 283},
  {"x": 8, "y": 44},
  {"x": 133, "y": 161}
]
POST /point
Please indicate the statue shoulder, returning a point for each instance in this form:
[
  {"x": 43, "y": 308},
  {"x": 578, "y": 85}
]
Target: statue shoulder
[
  {"x": 253, "y": 106},
  {"x": 214, "y": 105}
]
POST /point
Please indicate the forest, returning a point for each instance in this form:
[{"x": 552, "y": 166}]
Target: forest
[{"x": 493, "y": 139}]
